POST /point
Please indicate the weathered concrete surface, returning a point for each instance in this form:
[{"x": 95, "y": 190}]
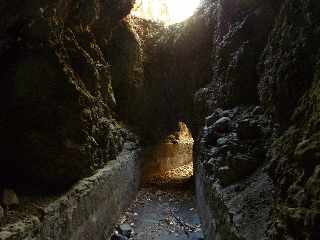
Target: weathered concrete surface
[{"x": 90, "y": 208}]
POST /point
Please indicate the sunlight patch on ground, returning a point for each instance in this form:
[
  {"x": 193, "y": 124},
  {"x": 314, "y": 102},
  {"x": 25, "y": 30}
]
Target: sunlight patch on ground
[
  {"x": 165, "y": 11},
  {"x": 176, "y": 176}
]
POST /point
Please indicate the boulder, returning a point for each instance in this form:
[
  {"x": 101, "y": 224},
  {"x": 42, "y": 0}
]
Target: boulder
[{"x": 222, "y": 125}]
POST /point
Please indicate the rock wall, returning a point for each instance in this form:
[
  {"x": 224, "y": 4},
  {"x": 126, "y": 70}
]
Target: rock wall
[
  {"x": 266, "y": 53},
  {"x": 287, "y": 64},
  {"x": 73, "y": 71},
  {"x": 240, "y": 34},
  {"x": 58, "y": 108},
  {"x": 289, "y": 88}
]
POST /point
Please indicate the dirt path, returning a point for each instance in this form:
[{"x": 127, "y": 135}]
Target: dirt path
[{"x": 165, "y": 208}]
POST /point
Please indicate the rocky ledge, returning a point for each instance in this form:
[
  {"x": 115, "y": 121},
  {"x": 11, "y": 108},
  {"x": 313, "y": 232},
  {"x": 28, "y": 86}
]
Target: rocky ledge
[{"x": 89, "y": 210}]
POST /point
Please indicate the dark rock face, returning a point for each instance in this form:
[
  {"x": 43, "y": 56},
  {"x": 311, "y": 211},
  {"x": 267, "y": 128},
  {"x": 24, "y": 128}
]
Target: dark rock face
[
  {"x": 287, "y": 64},
  {"x": 289, "y": 84},
  {"x": 295, "y": 169},
  {"x": 71, "y": 70},
  {"x": 232, "y": 184},
  {"x": 57, "y": 119},
  {"x": 126, "y": 57},
  {"x": 265, "y": 51},
  {"x": 241, "y": 32}
]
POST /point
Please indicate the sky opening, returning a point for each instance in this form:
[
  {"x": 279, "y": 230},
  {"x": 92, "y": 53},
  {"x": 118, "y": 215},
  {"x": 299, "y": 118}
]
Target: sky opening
[{"x": 166, "y": 11}]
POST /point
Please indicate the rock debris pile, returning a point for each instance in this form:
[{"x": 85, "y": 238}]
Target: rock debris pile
[
  {"x": 232, "y": 176},
  {"x": 236, "y": 143}
]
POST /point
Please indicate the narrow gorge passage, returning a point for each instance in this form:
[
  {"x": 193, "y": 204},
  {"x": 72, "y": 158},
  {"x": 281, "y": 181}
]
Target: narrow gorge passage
[
  {"x": 165, "y": 207},
  {"x": 164, "y": 213},
  {"x": 93, "y": 95}
]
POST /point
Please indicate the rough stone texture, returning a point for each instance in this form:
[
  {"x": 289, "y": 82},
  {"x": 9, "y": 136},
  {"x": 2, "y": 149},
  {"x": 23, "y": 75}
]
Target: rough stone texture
[
  {"x": 57, "y": 120},
  {"x": 267, "y": 50},
  {"x": 240, "y": 35},
  {"x": 287, "y": 64},
  {"x": 234, "y": 191},
  {"x": 295, "y": 170},
  {"x": 89, "y": 210},
  {"x": 289, "y": 89},
  {"x": 126, "y": 58}
]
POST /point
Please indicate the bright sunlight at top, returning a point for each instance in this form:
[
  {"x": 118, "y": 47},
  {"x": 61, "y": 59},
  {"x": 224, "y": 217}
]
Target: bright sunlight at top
[{"x": 166, "y": 11}]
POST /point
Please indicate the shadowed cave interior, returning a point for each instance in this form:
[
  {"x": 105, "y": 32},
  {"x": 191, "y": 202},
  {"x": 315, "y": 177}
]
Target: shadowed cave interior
[{"x": 159, "y": 119}]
